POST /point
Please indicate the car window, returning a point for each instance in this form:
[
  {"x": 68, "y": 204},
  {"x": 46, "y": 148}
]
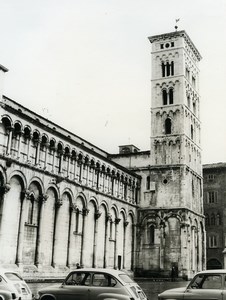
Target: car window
[
  {"x": 13, "y": 276},
  {"x": 210, "y": 281},
  {"x": 78, "y": 278},
  {"x": 101, "y": 279},
  {"x": 126, "y": 278}
]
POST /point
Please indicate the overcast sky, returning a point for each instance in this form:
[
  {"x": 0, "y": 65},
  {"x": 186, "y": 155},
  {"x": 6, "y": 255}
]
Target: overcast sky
[{"x": 86, "y": 65}]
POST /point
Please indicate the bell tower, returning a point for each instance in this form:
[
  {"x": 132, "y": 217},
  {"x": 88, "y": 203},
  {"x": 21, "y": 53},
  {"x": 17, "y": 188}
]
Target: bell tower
[{"x": 173, "y": 234}]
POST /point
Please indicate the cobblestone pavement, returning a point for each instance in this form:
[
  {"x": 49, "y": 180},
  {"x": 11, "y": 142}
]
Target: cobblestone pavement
[{"x": 151, "y": 288}]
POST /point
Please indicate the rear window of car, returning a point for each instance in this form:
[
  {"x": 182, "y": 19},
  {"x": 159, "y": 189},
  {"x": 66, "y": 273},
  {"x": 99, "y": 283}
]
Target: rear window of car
[
  {"x": 126, "y": 278},
  {"x": 13, "y": 276},
  {"x": 100, "y": 279}
]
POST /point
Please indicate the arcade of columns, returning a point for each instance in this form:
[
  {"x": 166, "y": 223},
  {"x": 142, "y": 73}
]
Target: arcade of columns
[{"x": 67, "y": 201}]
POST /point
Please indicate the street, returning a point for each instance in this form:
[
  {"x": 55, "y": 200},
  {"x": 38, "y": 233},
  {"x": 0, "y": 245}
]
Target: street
[{"x": 151, "y": 288}]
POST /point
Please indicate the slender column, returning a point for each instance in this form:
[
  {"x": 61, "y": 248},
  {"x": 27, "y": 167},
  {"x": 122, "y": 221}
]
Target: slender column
[
  {"x": 75, "y": 168},
  {"x": 97, "y": 215},
  {"x": 37, "y": 156},
  {"x": 71, "y": 237},
  {"x": 53, "y": 161},
  {"x": 9, "y": 142},
  {"x": 80, "y": 171},
  {"x": 87, "y": 173},
  {"x": 68, "y": 165},
  {"x": 84, "y": 227},
  {"x": 46, "y": 154},
  {"x": 98, "y": 177},
  {"x": 193, "y": 247},
  {"x": 117, "y": 220},
  {"x": 124, "y": 244},
  {"x": 58, "y": 204},
  {"x": 93, "y": 176},
  {"x": 106, "y": 241},
  {"x": 19, "y": 144},
  {"x": 134, "y": 234},
  {"x": 41, "y": 228},
  {"x": 103, "y": 181},
  {"x": 28, "y": 148},
  {"x": 60, "y": 153},
  {"x": 112, "y": 184},
  {"x": 23, "y": 213}
]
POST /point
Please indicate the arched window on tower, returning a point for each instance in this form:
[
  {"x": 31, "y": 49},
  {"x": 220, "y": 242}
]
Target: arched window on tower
[
  {"x": 189, "y": 100},
  {"x": 168, "y": 126},
  {"x": 164, "y": 97},
  {"x": 207, "y": 220},
  {"x": 171, "y": 96},
  {"x": 192, "y": 132},
  {"x": 152, "y": 234},
  {"x": 163, "y": 70},
  {"x": 168, "y": 68},
  {"x": 172, "y": 68},
  {"x": 148, "y": 183},
  {"x": 218, "y": 219}
]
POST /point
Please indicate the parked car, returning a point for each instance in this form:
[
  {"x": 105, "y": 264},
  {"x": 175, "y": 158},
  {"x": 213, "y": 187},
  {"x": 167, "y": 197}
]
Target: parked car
[
  {"x": 87, "y": 283},
  {"x": 11, "y": 281},
  {"x": 210, "y": 284},
  {"x": 6, "y": 295}
]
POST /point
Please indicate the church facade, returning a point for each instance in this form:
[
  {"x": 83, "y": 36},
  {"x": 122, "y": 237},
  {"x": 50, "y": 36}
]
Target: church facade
[{"x": 65, "y": 201}]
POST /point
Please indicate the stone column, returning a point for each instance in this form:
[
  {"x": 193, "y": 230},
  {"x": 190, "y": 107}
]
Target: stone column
[
  {"x": 75, "y": 168},
  {"x": 41, "y": 228},
  {"x": 124, "y": 244},
  {"x": 87, "y": 173},
  {"x": 106, "y": 241},
  {"x": 28, "y": 148},
  {"x": 71, "y": 237},
  {"x": 97, "y": 215},
  {"x": 68, "y": 165},
  {"x": 84, "y": 227},
  {"x": 117, "y": 220},
  {"x": 58, "y": 204},
  {"x": 53, "y": 161},
  {"x": 19, "y": 144},
  {"x": 37, "y": 155},
  {"x": 46, "y": 154},
  {"x": 25, "y": 195},
  {"x": 9, "y": 130}
]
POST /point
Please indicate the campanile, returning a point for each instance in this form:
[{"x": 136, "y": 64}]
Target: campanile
[{"x": 172, "y": 222}]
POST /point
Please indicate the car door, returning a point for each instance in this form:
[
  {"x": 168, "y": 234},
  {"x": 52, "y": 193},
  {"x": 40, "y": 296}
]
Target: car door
[
  {"x": 105, "y": 284},
  {"x": 75, "y": 287},
  {"x": 205, "y": 287}
]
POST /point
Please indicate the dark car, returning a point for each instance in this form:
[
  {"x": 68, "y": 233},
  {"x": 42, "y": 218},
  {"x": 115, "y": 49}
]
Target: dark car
[{"x": 92, "y": 284}]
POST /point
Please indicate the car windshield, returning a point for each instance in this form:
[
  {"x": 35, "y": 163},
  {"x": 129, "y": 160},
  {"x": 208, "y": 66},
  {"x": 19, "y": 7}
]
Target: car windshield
[
  {"x": 126, "y": 278},
  {"x": 13, "y": 276}
]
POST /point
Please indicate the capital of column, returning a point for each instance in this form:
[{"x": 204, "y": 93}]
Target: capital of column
[
  {"x": 59, "y": 202},
  {"x": 85, "y": 211},
  {"x": 5, "y": 188},
  {"x": 126, "y": 223},
  {"x": 108, "y": 217},
  {"x": 73, "y": 207},
  {"x": 43, "y": 198},
  {"x": 117, "y": 220},
  {"x": 97, "y": 214}
]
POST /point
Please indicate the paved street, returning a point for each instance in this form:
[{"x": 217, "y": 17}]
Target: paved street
[{"x": 151, "y": 288}]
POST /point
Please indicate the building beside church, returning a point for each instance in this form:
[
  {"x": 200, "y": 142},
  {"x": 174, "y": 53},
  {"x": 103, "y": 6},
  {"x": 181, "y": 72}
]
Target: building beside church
[
  {"x": 65, "y": 201},
  {"x": 214, "y": 186}
]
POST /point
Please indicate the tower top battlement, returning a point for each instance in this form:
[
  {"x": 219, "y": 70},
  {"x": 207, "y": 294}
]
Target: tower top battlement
[{"x": 175, "y": 34}]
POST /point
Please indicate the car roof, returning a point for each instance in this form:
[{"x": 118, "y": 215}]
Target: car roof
[
  {"x": 219, "y": 271},
  {"x": 101, "y": 270}
]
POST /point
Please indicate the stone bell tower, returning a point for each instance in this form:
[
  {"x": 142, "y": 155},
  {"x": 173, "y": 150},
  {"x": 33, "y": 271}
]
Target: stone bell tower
[{"x": 172, "y": 222}]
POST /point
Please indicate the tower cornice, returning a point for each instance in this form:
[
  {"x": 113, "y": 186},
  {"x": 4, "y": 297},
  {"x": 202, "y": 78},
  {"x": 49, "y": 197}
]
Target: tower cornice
[{"x": 170, "y": 35}]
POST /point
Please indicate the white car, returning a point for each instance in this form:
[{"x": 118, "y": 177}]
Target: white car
[
  {"x": 12, "y": 282},
  {"x": 206, "y": 285}
]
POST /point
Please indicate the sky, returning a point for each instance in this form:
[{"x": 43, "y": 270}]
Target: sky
[{"x": 86, "y": 65}]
